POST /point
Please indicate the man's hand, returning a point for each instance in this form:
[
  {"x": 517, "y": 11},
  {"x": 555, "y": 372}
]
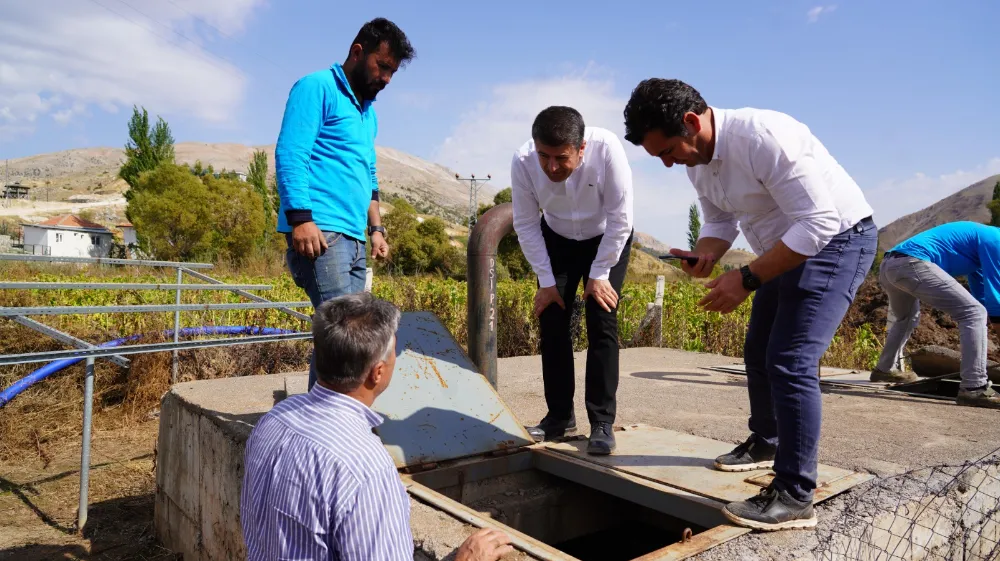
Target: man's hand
[
  {"x": 602, "y": 292},
  {"x": 380, "y": 248},
  {"x": 485, "y": 545},
  {"x": 701, "y": 269},
  {"x": 308, "y": 240},
  {"x": 727, "y": 293},
  {"x": 545, "y": 297}
]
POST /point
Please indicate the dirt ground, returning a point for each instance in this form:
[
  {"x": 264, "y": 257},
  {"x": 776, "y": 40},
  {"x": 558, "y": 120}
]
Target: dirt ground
[
  {"x": 39, "y": 498},
  {"x": 935, "y": 328}
]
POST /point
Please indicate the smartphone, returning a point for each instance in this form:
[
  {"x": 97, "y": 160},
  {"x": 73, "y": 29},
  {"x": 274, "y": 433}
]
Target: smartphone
[{"x": 692, "y": 261}]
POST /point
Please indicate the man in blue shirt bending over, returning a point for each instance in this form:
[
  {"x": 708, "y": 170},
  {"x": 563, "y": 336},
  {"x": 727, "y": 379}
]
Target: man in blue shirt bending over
[
  {"x": 325, "y": 166},
  {"x": 923, "y": 268}
]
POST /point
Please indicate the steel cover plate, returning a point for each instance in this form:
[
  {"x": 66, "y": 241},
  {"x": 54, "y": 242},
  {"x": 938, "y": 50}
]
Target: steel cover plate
[
  {"x": 438, "y": 406},
  {"x": 685, "y": 461}
]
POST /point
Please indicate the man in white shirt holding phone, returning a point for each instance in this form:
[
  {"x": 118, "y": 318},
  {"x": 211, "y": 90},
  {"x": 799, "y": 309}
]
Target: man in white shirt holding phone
[
  {"x": 580, "y": 179},
  {"x": 811, "y": 228}
]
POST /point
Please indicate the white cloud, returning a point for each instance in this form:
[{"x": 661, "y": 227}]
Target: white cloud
[
  {"x": 895, "y": 198},
  {"x": 60, "y": 57},
  {"x": 486, "y": 137},
  {"x": 813, "y": 14}
]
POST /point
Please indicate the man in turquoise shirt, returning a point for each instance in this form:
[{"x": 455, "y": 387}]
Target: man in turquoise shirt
[
  {"x": 325, "y": 166},
  {"x": 923, "y": 268}
]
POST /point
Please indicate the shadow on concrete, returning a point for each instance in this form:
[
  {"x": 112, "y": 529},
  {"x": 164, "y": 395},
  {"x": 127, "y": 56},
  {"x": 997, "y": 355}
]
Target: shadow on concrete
[
  {"x": 117, "y": 529},
  {"x": 432, "y": 434},
  {"x": 684, "y": 378},
  {"x": 882, "y": 394}
]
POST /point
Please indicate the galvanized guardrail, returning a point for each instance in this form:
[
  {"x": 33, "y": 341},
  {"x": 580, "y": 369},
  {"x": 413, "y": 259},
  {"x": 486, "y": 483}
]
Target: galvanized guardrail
[{"x": 91, "y": 352}]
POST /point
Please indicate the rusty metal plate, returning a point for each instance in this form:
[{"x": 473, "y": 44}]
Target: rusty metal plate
[
  {"x": 685, "y": 461},
  {"x": 438, "y": 406}
]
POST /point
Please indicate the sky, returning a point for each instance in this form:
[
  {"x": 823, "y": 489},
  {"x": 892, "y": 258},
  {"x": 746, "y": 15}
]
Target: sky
[{"x": 897, "y": 91}]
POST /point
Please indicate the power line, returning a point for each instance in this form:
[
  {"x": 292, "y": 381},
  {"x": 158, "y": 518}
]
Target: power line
[{"x": 199, "y": 53}]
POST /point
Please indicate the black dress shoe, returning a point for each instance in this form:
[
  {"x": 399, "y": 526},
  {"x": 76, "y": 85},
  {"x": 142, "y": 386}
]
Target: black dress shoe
[
  {"x": 771, "y": 510},
  {"x": 549, "y": 429},
  {"x": 602, "y": 439}
]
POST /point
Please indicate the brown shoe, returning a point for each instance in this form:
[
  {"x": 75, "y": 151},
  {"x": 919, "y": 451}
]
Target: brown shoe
[
  {"x": 979, "y": 398},
  {"x": 892, "y": 377}
]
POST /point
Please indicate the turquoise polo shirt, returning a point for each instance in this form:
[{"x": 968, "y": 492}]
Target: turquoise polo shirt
[
  {"x": 963, "y": 248},
  {"x": 325, "y": 156}
]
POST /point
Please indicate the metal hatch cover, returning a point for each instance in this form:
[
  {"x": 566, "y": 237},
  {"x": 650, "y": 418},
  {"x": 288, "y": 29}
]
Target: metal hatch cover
[
  {"x": 438, "y": 406},
  {"x": 685, "y": 462}
]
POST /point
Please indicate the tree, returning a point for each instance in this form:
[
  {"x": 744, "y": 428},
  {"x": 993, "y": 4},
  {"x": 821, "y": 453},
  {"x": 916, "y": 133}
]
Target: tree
[
  {"x": 182, "y": 217},
  {"x": 146, "y": 149},
  {"x": 694, "y": 226},
  {"x": 994, "y": 206},
  {"x": 257, "y": 178},
  {"x": 419, "y": 246}
]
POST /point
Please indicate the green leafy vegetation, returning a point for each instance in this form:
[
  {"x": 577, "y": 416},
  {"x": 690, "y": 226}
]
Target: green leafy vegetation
[
  {"x": 994, "y": 206},
  {"x": 694, "y": 226},
  {"x": 146, "y": 149}
]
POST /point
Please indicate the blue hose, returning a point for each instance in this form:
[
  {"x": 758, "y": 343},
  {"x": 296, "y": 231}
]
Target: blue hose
[{"x": 55, "y": 366}]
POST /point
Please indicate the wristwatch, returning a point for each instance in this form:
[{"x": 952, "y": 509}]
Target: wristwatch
[
  {"x": 751, "y": 281},
  {"x": 373, "y": 229}
]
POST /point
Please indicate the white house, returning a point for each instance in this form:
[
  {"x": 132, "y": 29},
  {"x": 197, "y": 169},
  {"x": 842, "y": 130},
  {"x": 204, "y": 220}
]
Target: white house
[
  {"x": 67, "y": 236},
  {"x": 128, "y": 233}
]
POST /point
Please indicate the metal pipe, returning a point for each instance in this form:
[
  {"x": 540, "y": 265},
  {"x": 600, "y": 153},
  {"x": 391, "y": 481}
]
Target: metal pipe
[
  {"x": 78, "y": 310},
  {"x": 253, "y": 297},
  {"x": 88, "y": 407},
  {"x": 125, "y": 286},
  {"x": 65, "y": 338},
  {"x": 99, "y": 352},
  {"x": 101, "y": 261},
  {"x": 177, "y": 324},
  {"x": 482, "y": 275}
]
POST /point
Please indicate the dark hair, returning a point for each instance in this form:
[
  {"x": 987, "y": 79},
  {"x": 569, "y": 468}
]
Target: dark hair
[
  {"x": 659, "y": 104},
  {"x": 381, "y": 30},
  {"x": 350, "y": 335},
  {"x": 558, "y": 125}
]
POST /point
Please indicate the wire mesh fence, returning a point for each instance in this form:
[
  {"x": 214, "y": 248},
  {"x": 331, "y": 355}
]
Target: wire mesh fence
[{"x": 945, "y": 512}]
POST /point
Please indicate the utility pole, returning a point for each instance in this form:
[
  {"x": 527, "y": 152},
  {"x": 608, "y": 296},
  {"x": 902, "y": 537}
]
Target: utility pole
[{"x": 474, "y": 186}]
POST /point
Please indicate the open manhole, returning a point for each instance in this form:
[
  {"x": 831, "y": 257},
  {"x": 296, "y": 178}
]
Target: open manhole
[
  {"x": 460, "y": 449},
  {"x": 577, "y": 520}
]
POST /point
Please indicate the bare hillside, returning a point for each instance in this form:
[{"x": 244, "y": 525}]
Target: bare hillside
[
  {"x": 967, "y": 204},
  {"x": 431, "y": 188}
]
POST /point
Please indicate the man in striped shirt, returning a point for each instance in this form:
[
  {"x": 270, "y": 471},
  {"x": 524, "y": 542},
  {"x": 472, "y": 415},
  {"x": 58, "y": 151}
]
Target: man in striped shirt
[{"x": 318, "y": 482}]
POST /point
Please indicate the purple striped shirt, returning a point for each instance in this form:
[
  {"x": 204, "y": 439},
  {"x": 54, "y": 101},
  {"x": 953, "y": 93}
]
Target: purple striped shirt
[{"x": 319, "y": 484}]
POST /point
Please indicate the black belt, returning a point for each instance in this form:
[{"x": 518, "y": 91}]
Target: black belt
[{"x": 889, "y": 254}]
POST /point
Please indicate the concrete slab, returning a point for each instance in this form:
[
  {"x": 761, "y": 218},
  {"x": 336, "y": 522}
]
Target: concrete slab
[{"x": 686, "y": 462}]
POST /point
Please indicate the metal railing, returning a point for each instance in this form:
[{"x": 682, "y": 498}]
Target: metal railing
[{"x": 90, "y": 352}]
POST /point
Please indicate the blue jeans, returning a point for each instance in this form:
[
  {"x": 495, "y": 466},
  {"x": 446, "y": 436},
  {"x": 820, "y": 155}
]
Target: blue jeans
[
  {"x": 792, "y": 322},
  {"x": 339, "y": 271}
]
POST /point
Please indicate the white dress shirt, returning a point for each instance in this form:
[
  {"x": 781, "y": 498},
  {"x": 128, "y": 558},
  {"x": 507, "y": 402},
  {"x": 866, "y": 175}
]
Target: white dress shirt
[
  {"x": 595, "y": 199},
  {"x": 772, "y": 176}
]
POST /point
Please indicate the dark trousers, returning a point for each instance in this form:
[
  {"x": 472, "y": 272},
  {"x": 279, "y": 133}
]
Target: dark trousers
[
  {"x": 571, "y": 261},
  {"x": 792, "y": 323}
]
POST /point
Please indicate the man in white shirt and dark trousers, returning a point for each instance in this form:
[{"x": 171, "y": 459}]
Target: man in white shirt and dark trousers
[
  {"x": 581, "y": 180},
  {"x": 811, "y": 228}
]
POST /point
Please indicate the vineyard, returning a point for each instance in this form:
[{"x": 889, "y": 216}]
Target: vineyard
[{"x": 43, "y": 412}]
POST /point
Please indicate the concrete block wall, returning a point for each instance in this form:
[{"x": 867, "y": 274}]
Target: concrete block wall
[{"x": 199, "y": 470}]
